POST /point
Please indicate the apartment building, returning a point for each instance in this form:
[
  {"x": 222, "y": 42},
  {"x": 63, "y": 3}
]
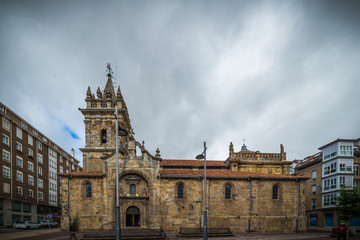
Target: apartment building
[
  {"x": 29, "y": 185},
  {"x": 334, "y": 167}
]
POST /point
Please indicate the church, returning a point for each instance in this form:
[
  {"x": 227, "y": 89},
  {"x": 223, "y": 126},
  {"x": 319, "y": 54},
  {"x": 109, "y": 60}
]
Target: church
[{"x": 246, "y": 191}]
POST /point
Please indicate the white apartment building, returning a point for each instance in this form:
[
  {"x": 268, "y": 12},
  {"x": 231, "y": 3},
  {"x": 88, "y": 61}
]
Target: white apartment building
[{"x": 337, "y": 169}]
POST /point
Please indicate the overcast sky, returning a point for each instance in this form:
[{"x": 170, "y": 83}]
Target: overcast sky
[{"x": 270, "y": 72}]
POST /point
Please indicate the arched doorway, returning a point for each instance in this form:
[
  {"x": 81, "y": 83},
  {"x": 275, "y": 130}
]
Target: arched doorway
[{"x": 133, "y": 217}]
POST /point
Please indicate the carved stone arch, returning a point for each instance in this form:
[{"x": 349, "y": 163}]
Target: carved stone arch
[
  {"x": 143, "y": 212},
  {"x": 142, "y": 174},
  {"x": 134, "y": 181}
]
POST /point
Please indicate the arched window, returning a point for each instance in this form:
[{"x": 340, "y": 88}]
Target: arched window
[
  {"x": 103, "y": 136},
  {"x": 88, "y": 189},
  {"x": 227, "y": 191},
  {"x": 133, "y": 189},
  {"x": 180, "y": 190},
  {"x": 275, "y": 192}
]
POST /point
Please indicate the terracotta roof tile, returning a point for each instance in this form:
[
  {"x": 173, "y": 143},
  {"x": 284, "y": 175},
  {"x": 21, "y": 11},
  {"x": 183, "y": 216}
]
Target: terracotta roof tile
[
  {"x": 176, "y": 162},
  {"x": 221, "y": 173}
]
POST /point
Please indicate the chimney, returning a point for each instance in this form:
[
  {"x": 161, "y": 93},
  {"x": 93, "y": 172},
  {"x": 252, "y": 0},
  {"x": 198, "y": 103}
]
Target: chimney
[{"x": 73, "y": 153}]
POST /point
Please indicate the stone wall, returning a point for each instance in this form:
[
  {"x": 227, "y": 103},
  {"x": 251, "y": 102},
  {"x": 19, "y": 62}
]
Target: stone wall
[{"x": 267, "y": 215}]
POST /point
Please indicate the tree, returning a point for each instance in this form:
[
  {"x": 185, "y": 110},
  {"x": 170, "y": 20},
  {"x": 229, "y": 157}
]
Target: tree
[{"x": 348, "y": 203}]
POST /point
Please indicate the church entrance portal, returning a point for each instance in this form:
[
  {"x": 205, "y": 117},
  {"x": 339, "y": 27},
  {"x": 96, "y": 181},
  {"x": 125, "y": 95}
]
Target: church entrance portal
[{"x": 133, "y": 217}]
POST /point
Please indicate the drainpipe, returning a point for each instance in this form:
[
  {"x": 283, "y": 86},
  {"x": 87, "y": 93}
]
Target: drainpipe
[
  {"x": 298, "y": 205},
  {"x": 201, "y": 201},
  {"x": 250, "y": 199},
  {"x": 11, "y": 160},
  {"x": 69, "y": 197}
]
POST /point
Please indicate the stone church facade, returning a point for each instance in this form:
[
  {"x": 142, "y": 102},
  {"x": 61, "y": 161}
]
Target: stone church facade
[{"x": 247, "y": 191}]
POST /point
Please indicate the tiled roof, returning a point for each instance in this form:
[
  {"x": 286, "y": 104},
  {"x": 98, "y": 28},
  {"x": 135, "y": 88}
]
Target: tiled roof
[
  {"x": 83, "y": 174},
  {"x": 222, "y": 173},
  {"x": 309, "y": 159},
  {"x": 176, "y": 162}
]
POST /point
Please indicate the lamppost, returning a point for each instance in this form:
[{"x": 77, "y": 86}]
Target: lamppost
[
  {"x": 118, "y": 132},
  {"x": 203, "y": 156}
]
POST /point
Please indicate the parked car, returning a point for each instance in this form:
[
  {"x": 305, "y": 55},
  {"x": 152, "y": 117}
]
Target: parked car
[
  {"x": 27, "y": 225},
  {"x": 47, "y": 223}
]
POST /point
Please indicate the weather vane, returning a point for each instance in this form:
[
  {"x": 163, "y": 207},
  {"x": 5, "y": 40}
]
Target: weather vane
[{"x": 109, "y": 70}]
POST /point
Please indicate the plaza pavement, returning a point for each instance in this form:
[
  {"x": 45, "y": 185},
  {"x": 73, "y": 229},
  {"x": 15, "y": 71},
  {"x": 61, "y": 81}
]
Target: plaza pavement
[{"x": 57, "y": 234}]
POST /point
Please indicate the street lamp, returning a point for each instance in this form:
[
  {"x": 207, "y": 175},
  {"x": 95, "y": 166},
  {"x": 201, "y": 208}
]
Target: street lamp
[
  {"x": 119, "y": 131},
  {"x": 203, "y": 156}
]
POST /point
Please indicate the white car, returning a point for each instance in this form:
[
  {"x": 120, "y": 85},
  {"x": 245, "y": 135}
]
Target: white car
[
  {"x": 46, "y": 223},
  {"x": 27, "y": 225}
]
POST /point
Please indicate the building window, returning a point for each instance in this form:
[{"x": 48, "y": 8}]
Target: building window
[
  {"x": 19, "y": 176},
  {"x": 313, "y": 204},
  {"x": 356, "y": 169},
  {"x": 314, "y": 175},
  {"x": 333, "y": 167},
  {"x": 39, "y": 145},
  {"x": 19, "y": 146},
  {"x": 103, "y": 136},
  {"x": 31, "y": 180},
  {"x": 19, "y": 191},
  {"x": 356, "y": 183},
  {"x": 40, "y": 183},
  {"x": 23, "y": 124},
  {"x": 6, "y": 188},
  {"x": 31, "y": 193},
  {"x": 40, "y": 171},
  {"x": 342, "y": 181},
  {"x": 30, "y": 166},
  {"x": 61, "y": 159},
  {"x": 41, "y": 196},
  {"x": 6, "y": 172},
  {"x": 40, "y": 158},
  {"x": 5, "y": 124},
  {"x": 180, "y": 190},
  {"x": 30, "y": 152},
  {"x": 61, "y": 169},
  {"x": 313, "y": 188},
  {"x": 19, "y": 161},
  {"x": 333, "y": 183},
  {"x": 5, "y": 155},
  {"x": 227, "y": 191},
  {"x": 275, "y": 192},
  {"x": 88, "y": 189},
  {"x": 5, "y": 139},
  {"x": 19, "y": 132},
  {"x": 345, "y": 150},
  {"x": 132, "y": 189},
  {"x": 30, "y": 140},
  {"x": 342, "y": 167}
]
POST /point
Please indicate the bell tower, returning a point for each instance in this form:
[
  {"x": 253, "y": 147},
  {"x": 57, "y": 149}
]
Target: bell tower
[{"x": 99, "y": 122}]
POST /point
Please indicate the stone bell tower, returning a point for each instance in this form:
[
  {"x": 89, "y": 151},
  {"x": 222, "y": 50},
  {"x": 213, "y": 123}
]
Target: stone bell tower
[{"x": 99, "y": 122}]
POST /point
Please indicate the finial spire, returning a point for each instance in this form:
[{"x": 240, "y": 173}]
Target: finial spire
[
  {"x": 98, "y": 93},
  {"x": 157, "y": 153}
]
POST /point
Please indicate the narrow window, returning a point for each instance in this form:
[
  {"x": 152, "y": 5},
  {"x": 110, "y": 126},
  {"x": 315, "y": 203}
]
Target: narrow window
[
  {"x": 227, "y": 191},
  {"x": 180, "y": 190},
  {"x": 133, "y": 189},
  {"x": 275, "y": 192},
  {"x": 88, "y": 189},
  {"x": 103, "y": 136}
]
